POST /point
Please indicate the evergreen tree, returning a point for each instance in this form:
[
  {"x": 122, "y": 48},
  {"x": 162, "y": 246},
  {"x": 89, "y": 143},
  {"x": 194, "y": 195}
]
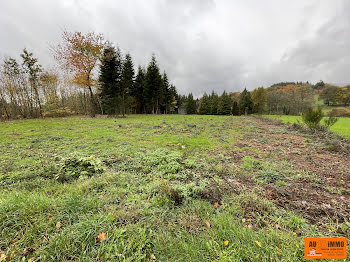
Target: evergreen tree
[
  {"x": 153, "y": 83},
  {"x": 181, "y": 100},
  {"x": 127, "y": 82},
  {"x": 109, "y": 79},
  {"x": 164, "y": 95},
  {"x": 224, "y": 104},
  {"x": 204, "y": 107},
  {"x": 235, "y": 109},
  {"x": 245, "y": 102},
  {"x": 214, "y": 99},
  {"x": 137, "y": 91},
  {"x": 191, "y": 106}
]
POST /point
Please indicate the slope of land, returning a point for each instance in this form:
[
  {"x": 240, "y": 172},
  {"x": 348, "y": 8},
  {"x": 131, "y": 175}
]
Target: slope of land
[
  {"x": 341, "y": 127},
  {"x": 167, "y": 188}
]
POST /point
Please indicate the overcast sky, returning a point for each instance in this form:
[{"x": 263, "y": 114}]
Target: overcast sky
[{"x": 202, "y": 44}]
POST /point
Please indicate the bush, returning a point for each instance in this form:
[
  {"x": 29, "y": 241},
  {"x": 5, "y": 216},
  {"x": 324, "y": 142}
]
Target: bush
[
  {"x": 330, "y": 121},
  {"x": 166, "y": 194},
  {"x": 165, "y": 161},
  {"x": 60, "y": 112},
  {"x": 339, "y": 112},
  {"x": 74, "y": 166},
  {"x": 312, "y": 118}
]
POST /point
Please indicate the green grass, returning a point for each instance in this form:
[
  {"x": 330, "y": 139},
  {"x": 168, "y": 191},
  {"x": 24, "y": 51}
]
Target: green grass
[
  {"x": 149, "y": 182},
  {"x": 342, "y": 127}
]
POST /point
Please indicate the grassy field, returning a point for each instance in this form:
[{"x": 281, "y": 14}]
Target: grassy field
[
  {"x": 166, "y": 188},
  {"x": 342, "y": 127}
]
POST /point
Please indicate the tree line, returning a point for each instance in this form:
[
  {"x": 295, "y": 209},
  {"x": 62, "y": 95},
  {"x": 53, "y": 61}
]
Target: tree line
[
  {"x": 122, "y": 92},
  {"x": 93, "y": 77},
  {"x": 225, "y": 104},
  {"x": 289, "y": 98},
  {"x": 335, "y": 95}
]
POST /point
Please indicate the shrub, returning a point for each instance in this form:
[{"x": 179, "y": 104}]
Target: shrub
[
  {"x": 166, "y": 194},
  {"x": 251, "y": 163},
  {"x": 60, "y": 112},
  {"x": 339, "y": 112},
  {"x": 312, "y": 118},
  {"x": 165, "y": 161},
  {"x": 268, "y": 176},
  {"x": 192, "y": 190},
  {"x": 330, "y": 121},
  {"x": 73, "y": 167},
  {"x": 252, "y": 204},
  {"x": 297, "y": 125}
]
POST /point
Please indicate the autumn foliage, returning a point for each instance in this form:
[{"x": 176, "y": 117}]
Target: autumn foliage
[{"x": 79, "y": 54}]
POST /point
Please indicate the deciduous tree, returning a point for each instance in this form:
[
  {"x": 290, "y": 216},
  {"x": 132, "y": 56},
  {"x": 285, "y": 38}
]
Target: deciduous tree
[
  {"x": 79, "y": 53},
  {"x": 33, "y": 70},
  {"x": 259, "y": 100}
]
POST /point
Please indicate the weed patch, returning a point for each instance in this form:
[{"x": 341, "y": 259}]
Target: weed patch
[{"x": 74, "y": 167}]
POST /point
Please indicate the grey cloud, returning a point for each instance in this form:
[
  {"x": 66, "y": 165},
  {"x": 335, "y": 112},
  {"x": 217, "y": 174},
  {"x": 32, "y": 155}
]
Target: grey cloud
[{"x": 202, "y": 44}]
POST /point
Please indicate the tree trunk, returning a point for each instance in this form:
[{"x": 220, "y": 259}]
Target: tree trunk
[
  {"x": 93, "y": 104},
  {"x": 5, "y": 108},
  {"x": 38, "y": 101},
  {"x": 123, "y": 109}
]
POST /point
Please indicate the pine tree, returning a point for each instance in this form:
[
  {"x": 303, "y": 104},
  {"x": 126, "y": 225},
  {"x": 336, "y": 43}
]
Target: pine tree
[
  {"x": 153, "y": 83},
  {"x": 191, "y": 106},
  {"x": 109, "y": 79},
  {"x": 137, "y": 91},
  {"x": 224, "y": 104},
  {"x": 245, "y": 102},
  {"x": 127, "y": 82},
  {"x": 235, "y": 109},
  {"x": 214, "y": 99},
  {"x": 204, "y": 107},
  {"x": 164, "y": 95}
]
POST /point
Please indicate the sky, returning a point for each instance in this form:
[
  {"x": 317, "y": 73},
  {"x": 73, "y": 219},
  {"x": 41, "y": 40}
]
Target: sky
[{"x": 203, "y": 45}]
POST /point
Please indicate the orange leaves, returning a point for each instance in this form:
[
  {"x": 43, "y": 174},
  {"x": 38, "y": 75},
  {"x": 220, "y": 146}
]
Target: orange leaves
[
  {"x": 58, "y": 224},
  {"x": 101, "y": 237},
  {"x": 298, "y": 232},
  {"x": 2, "y": 256},
  {"x": 79, "y": 54},
  {"x": 216, "y": 205},
  {"x": 207, "y": 224},
  {"x": 81, "y": 79}
]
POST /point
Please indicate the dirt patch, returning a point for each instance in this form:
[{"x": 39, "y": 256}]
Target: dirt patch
[{"x": 324, "y": 195}]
